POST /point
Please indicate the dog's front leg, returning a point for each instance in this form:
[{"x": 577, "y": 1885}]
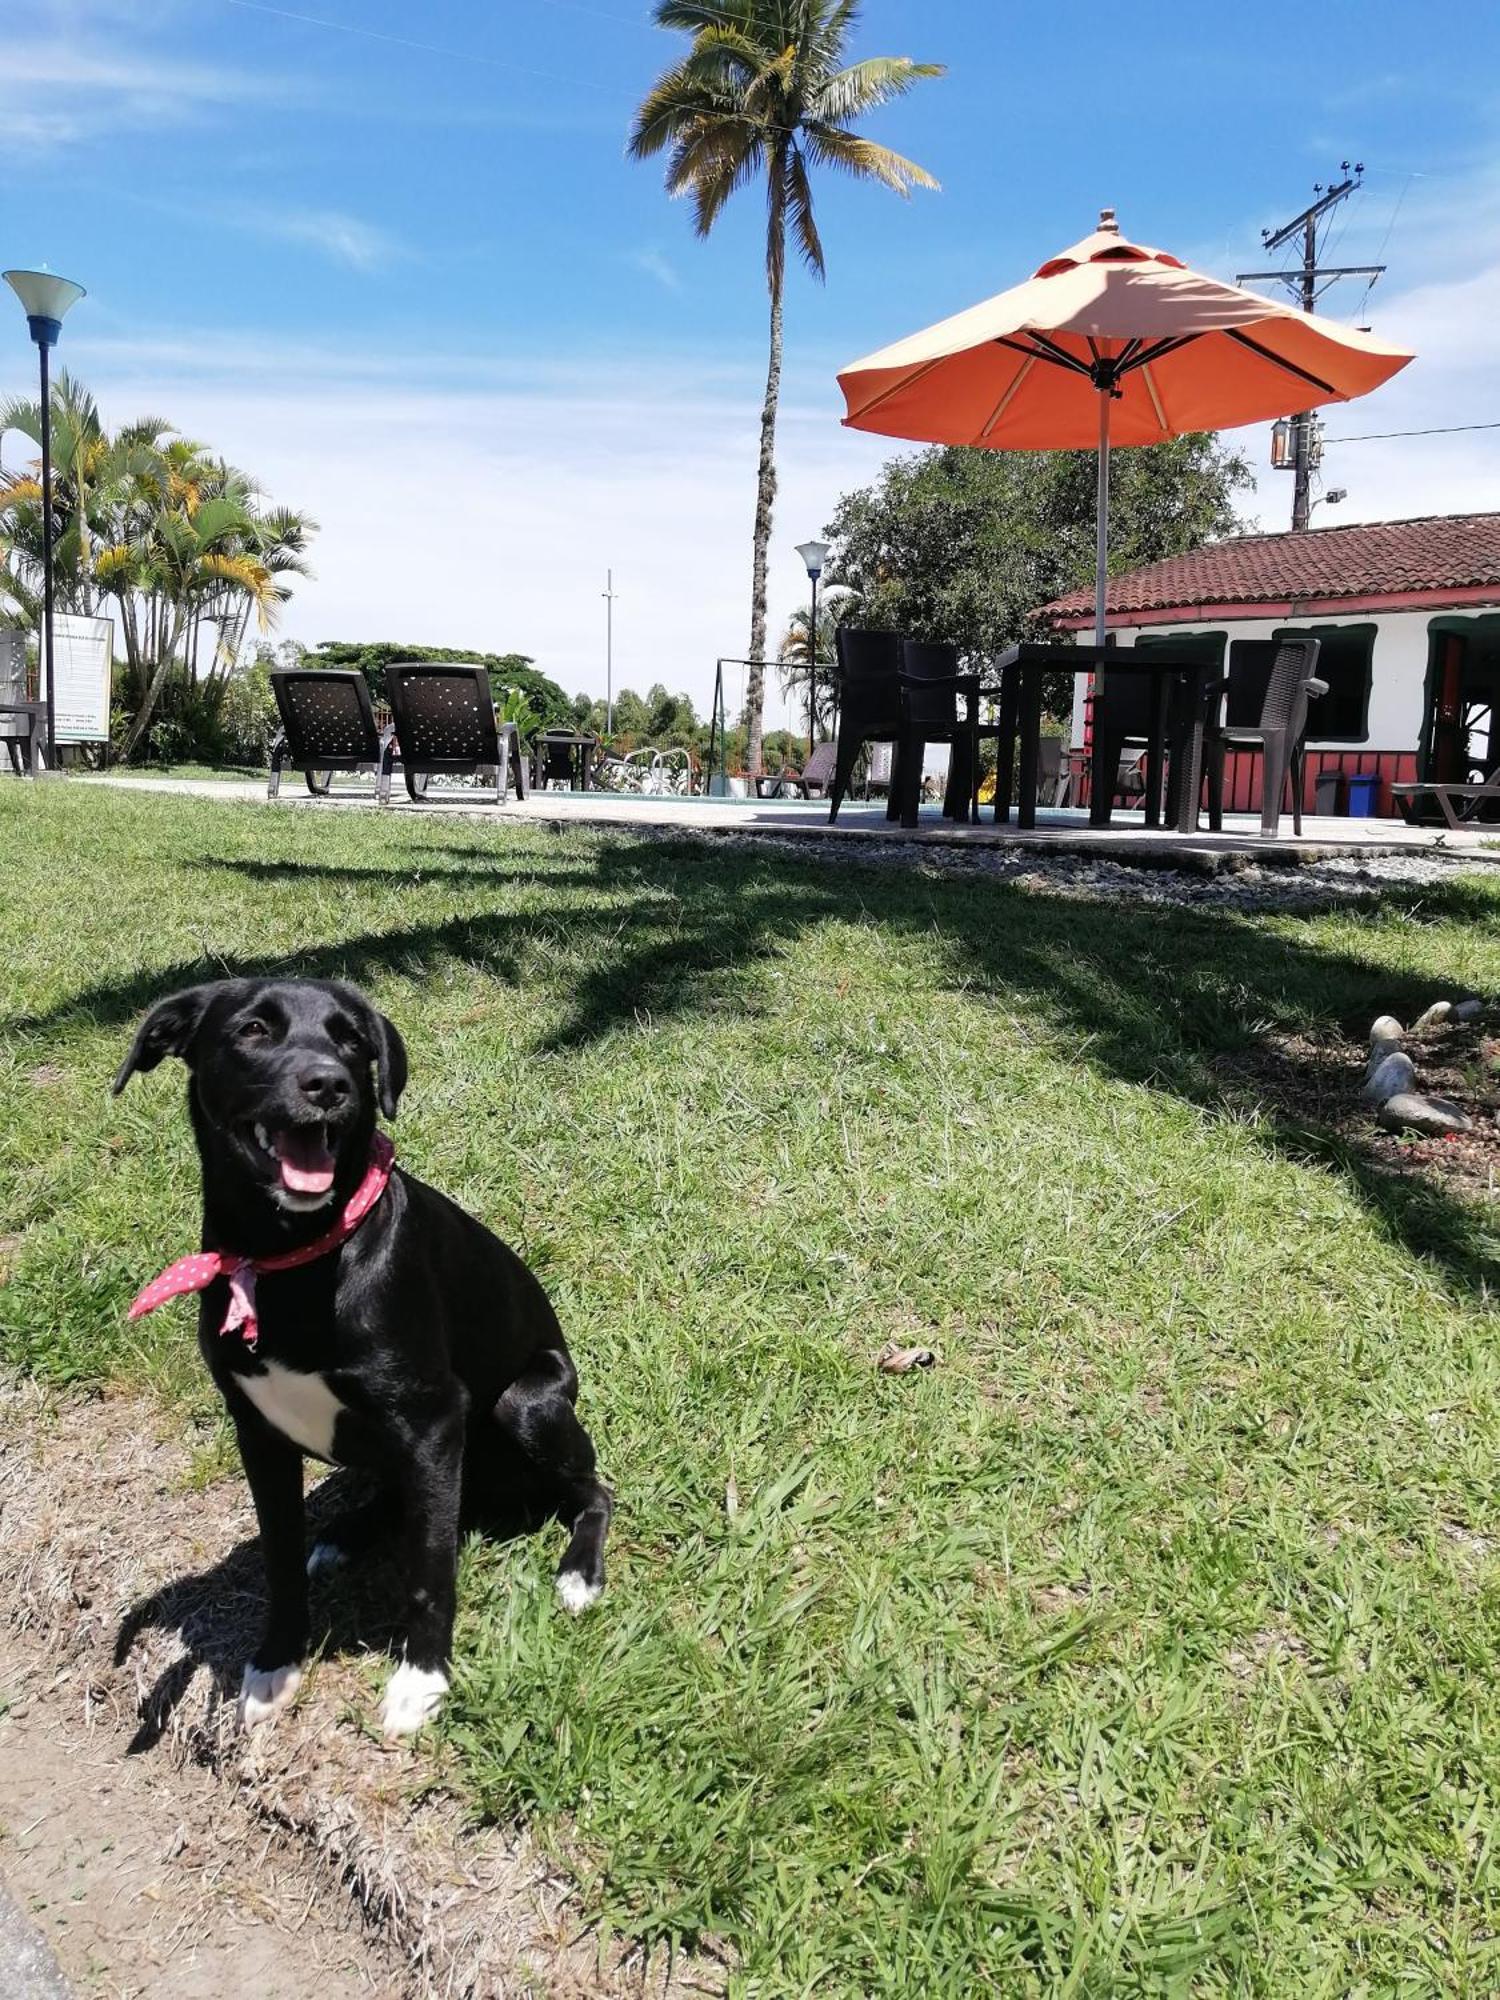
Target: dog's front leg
[
  {"x": 433, "y": 1476},
  {"x": 273, "y": 1467}
]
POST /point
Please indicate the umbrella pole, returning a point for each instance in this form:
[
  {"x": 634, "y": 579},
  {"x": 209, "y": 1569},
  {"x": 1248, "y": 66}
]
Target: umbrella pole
[{"x": 1101, "y": 520}]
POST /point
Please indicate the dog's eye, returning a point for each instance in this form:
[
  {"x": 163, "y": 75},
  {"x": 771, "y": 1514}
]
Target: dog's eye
[
  {"x": 253, "y": 1031},
  {"x": 345, "y": 1034}
]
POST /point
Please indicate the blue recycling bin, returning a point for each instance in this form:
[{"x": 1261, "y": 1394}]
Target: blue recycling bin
[{"x": 1364, "y": 794}]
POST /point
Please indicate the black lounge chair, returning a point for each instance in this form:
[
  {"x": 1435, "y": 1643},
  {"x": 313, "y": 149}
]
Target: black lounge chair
[
  {"x": 1458, "y": 803},
  {"x": 1269, "y": 685},
  {"x": 818, "y": 772},
  {"x": 327, "y": 725},
  {"x": 445, "y": 726}
]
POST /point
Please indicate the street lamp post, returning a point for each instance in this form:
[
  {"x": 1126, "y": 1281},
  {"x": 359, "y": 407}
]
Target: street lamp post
[
  {"x": 609, "y": 594},
  {"x": 45, "y": 299},
  {"x": 813, "y": 555}
]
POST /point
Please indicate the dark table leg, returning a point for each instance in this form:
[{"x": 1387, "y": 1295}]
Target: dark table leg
[
  {"x": 1104, "y": 775},
  {"x": 956, "y": 785},
  {"x": 1155, "y": 745},
  {"x": 1005, "y": 746},
  {"x": 1187, "y": 754},
  {"x": 1030, "y": 717},
  {"x": 972, "y": 802}
]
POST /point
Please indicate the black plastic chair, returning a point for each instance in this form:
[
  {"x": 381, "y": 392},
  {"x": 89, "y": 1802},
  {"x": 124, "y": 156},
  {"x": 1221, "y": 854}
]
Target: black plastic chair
[
  {"x": 869, "y": 703},
  {"x": 1268, "y": 687},
  {"x": 445, "y": 725},
  {"x": 932, "y": 689},
  {"x": 1121, "y": 723},
  {"x": 327, "y": 724}
]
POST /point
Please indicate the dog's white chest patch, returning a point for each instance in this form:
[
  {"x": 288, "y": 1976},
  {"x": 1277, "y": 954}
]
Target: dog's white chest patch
[{"x": 302, "y": 1407}]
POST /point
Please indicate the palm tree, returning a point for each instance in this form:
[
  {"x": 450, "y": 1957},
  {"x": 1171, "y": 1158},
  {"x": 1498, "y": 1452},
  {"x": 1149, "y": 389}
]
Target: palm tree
[
  {"x": 765, "y": 90},
  {"x": 793, "y": 664},
  {"x": 175, "y": 537}
]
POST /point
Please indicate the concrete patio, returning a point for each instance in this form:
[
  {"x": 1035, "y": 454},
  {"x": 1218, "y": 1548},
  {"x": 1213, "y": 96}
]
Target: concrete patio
[{"x": 1062, "y": 830}]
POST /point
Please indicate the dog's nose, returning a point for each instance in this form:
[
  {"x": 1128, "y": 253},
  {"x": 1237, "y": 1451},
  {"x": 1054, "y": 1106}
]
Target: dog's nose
[{"x": 323, "y": 1085}]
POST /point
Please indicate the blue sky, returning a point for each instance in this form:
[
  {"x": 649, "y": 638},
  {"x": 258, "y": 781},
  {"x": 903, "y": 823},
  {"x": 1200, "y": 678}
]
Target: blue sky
[{"x": 407, "y": 277}]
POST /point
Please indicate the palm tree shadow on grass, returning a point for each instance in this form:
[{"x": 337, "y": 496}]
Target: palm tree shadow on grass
[{"x": 1154, "y": 995}]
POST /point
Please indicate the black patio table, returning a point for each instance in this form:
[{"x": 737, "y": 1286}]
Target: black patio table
[
  {"x": 1020, "y": 669},
  {"x": 577, "y": 746}
]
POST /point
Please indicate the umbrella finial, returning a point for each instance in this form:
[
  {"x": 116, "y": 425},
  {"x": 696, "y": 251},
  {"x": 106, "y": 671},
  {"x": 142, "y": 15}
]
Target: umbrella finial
[{"x": 1107, "y": 223}]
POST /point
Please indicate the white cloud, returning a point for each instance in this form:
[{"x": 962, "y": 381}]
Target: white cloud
[
  {"x": 655, "y": 265},
  {"x": 482, "y": 509},
  {"x": 1448, "y": 324},
  {"x": 345, "y": 239},
  {"x": 477, "y": 498},
  {"x": 62, "y": 92}
]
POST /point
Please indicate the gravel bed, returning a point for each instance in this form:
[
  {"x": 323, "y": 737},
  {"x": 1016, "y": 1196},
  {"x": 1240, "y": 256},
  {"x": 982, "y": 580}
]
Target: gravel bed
[{"x": 1214, "y": 878}]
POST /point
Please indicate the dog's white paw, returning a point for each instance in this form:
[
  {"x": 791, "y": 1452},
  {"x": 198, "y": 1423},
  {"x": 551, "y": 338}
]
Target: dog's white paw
[
  {"x": 413, "y": 1696},
  {"x": 576, "y": 1592},
  {"x": 264, "y": 1695},
  {"x": 325, "y": 1557}
]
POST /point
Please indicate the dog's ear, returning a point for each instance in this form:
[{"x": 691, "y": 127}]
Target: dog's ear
[
  {"x": 390, "y": 1061},
  {"x": 168, "y": 1030},
  {"x": 389, "y": 1050}
]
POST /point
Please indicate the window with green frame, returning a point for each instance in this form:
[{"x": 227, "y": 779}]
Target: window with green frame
[
  {"x": 1194, "y": 649},
  {"x": 1345, "y": 657}
]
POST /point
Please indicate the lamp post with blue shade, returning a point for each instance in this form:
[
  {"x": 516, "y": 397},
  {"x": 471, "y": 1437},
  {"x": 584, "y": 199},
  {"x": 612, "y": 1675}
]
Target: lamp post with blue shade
[
  {"x": 45, "y": 299},
  {"x": 814, "y": 555}
]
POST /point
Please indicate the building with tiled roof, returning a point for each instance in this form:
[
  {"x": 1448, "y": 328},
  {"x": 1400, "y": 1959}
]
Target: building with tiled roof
[
  {"x": 1408, "y": 613},
  {"x": 1381, "y": 564}
]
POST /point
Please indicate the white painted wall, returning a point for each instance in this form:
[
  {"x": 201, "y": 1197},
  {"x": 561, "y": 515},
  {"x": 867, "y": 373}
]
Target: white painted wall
[{"x": 1398, "y": 667}]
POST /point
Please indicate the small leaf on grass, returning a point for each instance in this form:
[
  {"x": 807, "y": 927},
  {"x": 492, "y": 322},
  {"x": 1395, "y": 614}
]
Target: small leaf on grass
[{"x": 894, "y": 1360}]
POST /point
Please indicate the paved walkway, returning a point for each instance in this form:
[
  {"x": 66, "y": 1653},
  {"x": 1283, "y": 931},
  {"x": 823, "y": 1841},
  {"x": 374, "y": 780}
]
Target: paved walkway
[
  {"x": 28, "y": 1971},
  {"x": 1064, "y": 830}
]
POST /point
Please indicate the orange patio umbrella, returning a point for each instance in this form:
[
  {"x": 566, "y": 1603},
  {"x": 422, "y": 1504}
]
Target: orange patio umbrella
[{"x": 1109, "y": 342}]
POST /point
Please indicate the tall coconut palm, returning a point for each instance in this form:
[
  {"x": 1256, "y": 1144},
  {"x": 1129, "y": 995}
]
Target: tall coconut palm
[{"x": 765, "y": 90}]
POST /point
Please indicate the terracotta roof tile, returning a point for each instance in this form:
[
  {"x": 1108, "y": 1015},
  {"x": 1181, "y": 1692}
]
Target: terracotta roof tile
[{"x": 1366, "y": 559}]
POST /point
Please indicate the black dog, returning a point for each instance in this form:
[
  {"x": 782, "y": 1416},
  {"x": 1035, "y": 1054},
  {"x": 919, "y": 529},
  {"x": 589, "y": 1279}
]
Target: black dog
[{"x": 417, "y": 1347}]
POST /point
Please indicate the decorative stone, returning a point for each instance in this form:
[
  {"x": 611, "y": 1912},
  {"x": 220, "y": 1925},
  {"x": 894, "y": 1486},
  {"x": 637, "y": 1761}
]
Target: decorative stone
[
  {"x": 1385, "y": 1029},
  {"x": 1432, "y": 1116},
  {"x": 1396, "y": 1074},
  {"x": 1468, "y": 1010},
  {"x": 1438, "y": 1011}
]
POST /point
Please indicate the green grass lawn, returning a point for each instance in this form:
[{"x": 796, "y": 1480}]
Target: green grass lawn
[{"x": 1147, "y": 1645}]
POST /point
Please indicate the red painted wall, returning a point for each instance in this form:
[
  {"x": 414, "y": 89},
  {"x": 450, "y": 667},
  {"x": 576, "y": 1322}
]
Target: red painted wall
[{"x": 1242, "y": 777}]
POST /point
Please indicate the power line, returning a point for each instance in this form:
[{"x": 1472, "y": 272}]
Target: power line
[
  {"x": 423, "y": 48},
  {"x": 1438, "y": 430},
  {"x": 1304, "y": 286}
]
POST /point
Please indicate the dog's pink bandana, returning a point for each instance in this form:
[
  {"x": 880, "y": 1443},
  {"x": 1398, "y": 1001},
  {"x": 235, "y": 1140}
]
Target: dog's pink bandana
[{"x": 196, "y": 1274}]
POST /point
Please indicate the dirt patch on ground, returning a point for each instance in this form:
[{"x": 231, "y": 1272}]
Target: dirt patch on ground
[
  {"x": 1315, "y": 1080},
  {"x": 140, "y": 1880},
  {"x": 159, "y": 1849}
]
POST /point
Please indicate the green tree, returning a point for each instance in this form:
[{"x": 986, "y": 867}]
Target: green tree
[
  {"x": 632, "y": 716},
  {"x": 173, "y": 541},
  {"x": 960, "y": 544},
  {"x": 509, "y": 672},
  {"x": 671, "y": 719},
  {"x": 766, "y": 91},
  {"x": 792, "y": 658}
]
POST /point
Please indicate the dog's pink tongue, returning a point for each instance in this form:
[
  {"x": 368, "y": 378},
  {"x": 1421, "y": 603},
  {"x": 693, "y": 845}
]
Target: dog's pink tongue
[{"x": 306, "y": 1163}]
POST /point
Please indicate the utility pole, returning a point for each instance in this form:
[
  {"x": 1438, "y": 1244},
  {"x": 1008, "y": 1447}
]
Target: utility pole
[
  {"x": 609, "y": 594},
  {"x": 1306, "y": 287}
]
